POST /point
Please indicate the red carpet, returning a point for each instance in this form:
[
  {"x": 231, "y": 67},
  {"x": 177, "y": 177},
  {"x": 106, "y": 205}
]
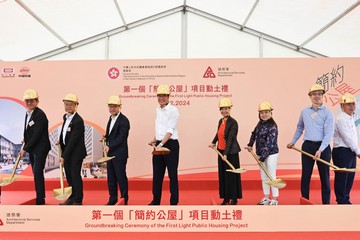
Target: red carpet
[{"x": 195, "y": 189}]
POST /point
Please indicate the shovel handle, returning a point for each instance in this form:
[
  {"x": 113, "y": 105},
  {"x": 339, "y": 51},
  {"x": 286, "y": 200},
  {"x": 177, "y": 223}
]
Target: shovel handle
[
  {"x": 262, "y": 166},
  {"x": 316, "y": 158},
  {"x": 16, "y": 163},
  {"x": 104, "y": 145},
  {"x": 61, "y": 170},
  {"x": 224, "y": 159}
]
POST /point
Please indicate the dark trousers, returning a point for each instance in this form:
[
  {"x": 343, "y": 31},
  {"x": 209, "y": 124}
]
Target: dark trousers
[
  {"x": 160, "y": 164},
  {"x": 229, "y": 183},
  {"x": 38, "y": 164},
  {"x": 307, "y": 164},
  {"x": 72, "y": 168},
  {"x": 343, "y": 158},
  {"x": 116, "y": 175}
]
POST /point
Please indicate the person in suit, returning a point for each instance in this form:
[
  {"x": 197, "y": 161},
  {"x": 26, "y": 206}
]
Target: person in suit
[
  {"x": 230, "y": 189},
  {"x": 36, "y": 141},
  {"x": 117, "y": 132},
  {"x": 166, "y": 135},
  {"x": 73, "y": 148}
]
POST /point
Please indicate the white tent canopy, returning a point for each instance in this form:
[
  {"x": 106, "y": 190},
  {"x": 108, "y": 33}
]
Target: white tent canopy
[{"x": 133, "y": 29}]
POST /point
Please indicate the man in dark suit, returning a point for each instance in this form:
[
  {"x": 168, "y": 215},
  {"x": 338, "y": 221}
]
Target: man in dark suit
[
  {"x": 36, "y": 141},
  {"x": 117, "y": 132},
  {"x": 73, "y": 148}
]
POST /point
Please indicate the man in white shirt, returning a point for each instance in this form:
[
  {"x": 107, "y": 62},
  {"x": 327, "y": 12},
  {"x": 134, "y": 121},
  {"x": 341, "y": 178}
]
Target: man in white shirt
[
  {"x": 345, "y": 148},
  {"x": 166, "y": 135}
]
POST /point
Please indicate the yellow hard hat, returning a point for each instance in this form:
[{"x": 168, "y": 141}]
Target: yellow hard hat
[
  {"x": 115, "y": 100},
  {"x": 225, "y": 102},
  {"x": 265, "y": 106},
  {"x": 30, "y": 94},
  {"x": 316, "y": 87},
  {"x": 347, "y": 98},
  {"x": 163, "y": 89},
  {"x": 72, "y": 98}
]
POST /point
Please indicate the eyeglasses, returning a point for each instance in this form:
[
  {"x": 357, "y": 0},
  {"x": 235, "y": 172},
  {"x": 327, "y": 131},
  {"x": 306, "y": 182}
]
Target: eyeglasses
[
  {"x": 316, "y": 94},
  {"x": 69, "y": 104},
  {"x": 113, "y": 106}
]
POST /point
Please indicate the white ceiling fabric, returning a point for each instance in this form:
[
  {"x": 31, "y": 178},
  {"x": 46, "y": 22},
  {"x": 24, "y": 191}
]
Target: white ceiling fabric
[{"x": 128, "y": 29}]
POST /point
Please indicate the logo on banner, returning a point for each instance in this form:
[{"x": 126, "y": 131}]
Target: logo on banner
[
  {"x": 113, "y": 73},
  {"x": 209, "y": 73},
  {"x": 24, "y": 72},
  {"x": 1, "y": 223},
  {"x": 8, "y": 72}
]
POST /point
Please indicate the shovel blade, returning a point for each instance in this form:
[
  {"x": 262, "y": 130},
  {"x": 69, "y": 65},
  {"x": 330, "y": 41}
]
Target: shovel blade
[
  {"x": 237, "y": 170},
  {"x": 62, "y": 193},
  {"x": 160, "y": 152},
  {"x": 104, "y": 159},
  {"x": 7, "y": 181},
  {"x": 278, "y": 183}
]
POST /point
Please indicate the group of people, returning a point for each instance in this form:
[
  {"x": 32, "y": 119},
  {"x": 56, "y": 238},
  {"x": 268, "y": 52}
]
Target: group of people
[
  {"x": 265, "y": 135},
  {"x": 318, "y": 126},
  {"x": 71, "y": 145},
  {"x": 72, "y": 148},
  {"x": 316, "y": 123}
]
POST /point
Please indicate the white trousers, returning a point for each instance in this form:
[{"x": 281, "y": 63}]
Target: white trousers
[{"x": 270, "y": 165}]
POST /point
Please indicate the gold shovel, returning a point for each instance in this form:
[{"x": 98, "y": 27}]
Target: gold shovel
[
  {"x": 62, "y": 193},
  {"x": 335, "y": 168},
  {"x": 277, "y": 183},
  {"x": 12, "y": 178},
  {"x": 160, "y": 151},
  {"x": 105, "y": 158},
  {"x": 233, "y": 169}
]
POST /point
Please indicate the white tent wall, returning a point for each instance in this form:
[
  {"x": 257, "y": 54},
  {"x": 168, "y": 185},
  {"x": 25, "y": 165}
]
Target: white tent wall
[
  {"x": 272, "y": 50},
  {"x": 92, "y": 51},
  {"x": 342, "y": 39},
  {"x": 209, "y": 39},
  {"x": 129, "y": 29},
  {"x": 162, "y": 39},
  {"x": 158, "y": 39},
  {"x": 21, "y": 36}
]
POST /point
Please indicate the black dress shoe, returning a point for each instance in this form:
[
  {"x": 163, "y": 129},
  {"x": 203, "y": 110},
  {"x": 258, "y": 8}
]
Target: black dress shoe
[
  {"x": 225, "y": 202},
  {"x": 111, "y": 202},
  {"x": 233, "y": 202},
  {"x": 67, "y": 202},
  {"x": 153, "y": 203},
  {"x": 40, "y": 202},
  {"x": 77, "y": 203}
]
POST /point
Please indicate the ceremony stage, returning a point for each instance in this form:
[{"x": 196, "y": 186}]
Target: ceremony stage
[{"x": 195, "y": 190}]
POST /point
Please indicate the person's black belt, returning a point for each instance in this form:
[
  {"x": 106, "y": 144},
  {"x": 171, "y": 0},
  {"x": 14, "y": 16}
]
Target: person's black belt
[
  {"x": 157, "y": 141},
  {"x": 313, "y": 142},
  {"x": 343, "y": 148}
]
